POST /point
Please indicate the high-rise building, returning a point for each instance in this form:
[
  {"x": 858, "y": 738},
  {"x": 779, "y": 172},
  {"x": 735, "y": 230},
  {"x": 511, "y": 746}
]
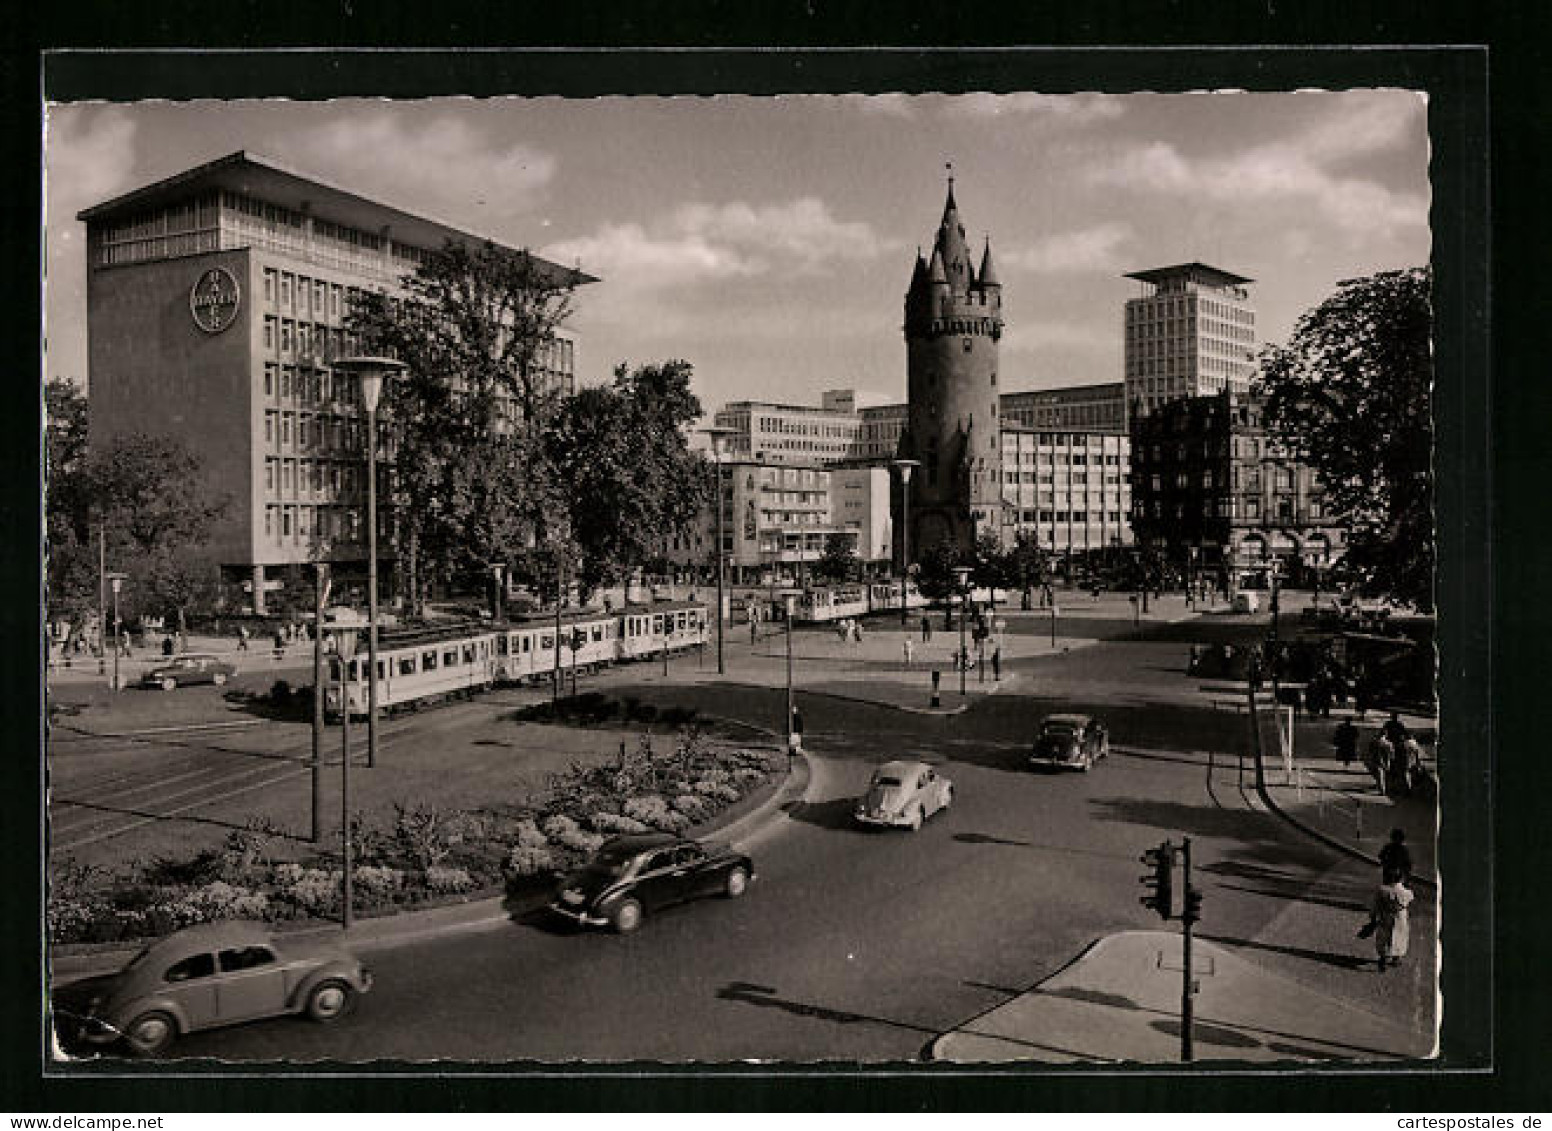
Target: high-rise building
[
  {"x": 1191, "y": 333},
  {"x": 953, "y": 324},
  {"x": 216, "y": 302}
]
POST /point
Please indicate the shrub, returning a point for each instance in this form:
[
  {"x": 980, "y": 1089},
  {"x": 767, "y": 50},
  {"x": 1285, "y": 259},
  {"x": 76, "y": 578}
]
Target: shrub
[
  {"x": 717, "y": 790},
  {"x": 529, "y": 836},
  {"x": 448, "y": 880},
  {"x": 562, "y": 830},
  {"x": 376, "y": 880},
  {"x": 529, "y": 860},
  {"x": 747, "y": 777},
  {"x": 311, "y": 890},
  {"x": 419, "y": 836},
  {"x": 694, "y": 808},
  {"x": 615, "y": 823}
]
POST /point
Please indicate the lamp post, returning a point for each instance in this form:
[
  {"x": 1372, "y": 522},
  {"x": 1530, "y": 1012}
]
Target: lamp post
[
  {"x": 962, "y": 577},
  {"x": 789, "y": 600},
  {"x": 905, "y": 466},
  {"x": 116, "y": 580},
  {"x": 498, "y": 573},
  {"x": 102, "y": 598},
  {"x": 719, "y": 437},
  {"x": 320, "y": 598},
  {"x": 372, "y": 371},
  {"x": 344, "y": 649}
]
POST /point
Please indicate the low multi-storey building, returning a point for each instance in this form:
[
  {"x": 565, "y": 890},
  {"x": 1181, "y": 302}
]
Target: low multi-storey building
[
  {"x": 1071, "y": 489},
  {"x": 1072, "y": 408}
]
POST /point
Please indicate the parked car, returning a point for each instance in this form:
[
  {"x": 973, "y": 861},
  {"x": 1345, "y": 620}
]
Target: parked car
[
  {"x": 216, "y": 974},
  {"x": 630, "y": 876},
  {"x": 903, "y": 795},
  {"x": 1070, "y": 741},
  {"x": 190, "y": 667}
]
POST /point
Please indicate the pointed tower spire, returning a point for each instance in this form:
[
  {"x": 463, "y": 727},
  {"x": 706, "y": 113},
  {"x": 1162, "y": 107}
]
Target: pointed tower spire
[
  {"x": 935, "y": 270},
  {"x": 988, "y": 273}
]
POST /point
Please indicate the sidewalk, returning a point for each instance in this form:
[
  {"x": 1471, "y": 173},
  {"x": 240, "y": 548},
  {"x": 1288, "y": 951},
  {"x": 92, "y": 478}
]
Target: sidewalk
[{"x": 1120, "y": 1001}]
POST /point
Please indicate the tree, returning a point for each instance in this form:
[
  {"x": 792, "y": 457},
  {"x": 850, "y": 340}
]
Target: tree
[
  {"x": 1350, "y": 394},
  {"x": 839, "y": 562},
  {"x": 472, "y": 482},
  {"x": 1027, "y": 563},
  {"x": 990, "y": 562},
  {"x": 935, "y": 577},
  {"x": 632, "y": 480},
  {"x": 72, "y": 558}
]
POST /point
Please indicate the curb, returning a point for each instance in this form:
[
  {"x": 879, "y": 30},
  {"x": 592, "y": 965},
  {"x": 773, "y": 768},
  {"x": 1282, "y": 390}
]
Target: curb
[{"x": 1324, "y": 838}]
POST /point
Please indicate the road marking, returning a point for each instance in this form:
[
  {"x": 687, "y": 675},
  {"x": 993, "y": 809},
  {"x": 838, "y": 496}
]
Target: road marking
[{"x": 172, "y": 814}]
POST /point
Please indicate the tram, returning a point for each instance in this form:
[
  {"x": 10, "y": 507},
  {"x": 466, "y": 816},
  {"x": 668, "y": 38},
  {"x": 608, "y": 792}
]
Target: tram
[{"x": 428, "y": 665}]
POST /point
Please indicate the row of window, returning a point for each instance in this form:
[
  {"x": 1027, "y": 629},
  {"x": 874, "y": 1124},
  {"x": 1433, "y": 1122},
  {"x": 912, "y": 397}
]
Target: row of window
[
  {"x": 292, "y": 431},
  {"x": 308, "y": 385},
  {"x": 298, "y": 523},
  {"x": 315, "y": 477}
]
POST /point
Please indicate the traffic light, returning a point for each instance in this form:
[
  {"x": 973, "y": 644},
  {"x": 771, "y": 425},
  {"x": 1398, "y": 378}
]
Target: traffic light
[
  {"x": 1161, "y": 881},
  {"x": 1193, "y": 908}
]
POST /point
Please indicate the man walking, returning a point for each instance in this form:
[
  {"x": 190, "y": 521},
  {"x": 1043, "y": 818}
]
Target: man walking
[
  {"x": 926, "y": 629},
  {"x": 1345, "y": 741}
]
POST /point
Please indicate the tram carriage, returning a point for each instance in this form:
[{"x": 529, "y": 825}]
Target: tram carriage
[
  {"x": 424, "y": 666},
  {"x": 819, "y": 606},
  {"x": 885, "y": 595}
]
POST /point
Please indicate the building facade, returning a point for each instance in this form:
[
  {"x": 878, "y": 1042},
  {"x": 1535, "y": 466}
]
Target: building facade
[
  {"x": 953, "y": 326},
  {"x": 1209, "y": 483},
  {"x": 791, "y": 435},
  {"x": 1071, "y": 489},
  {"x": 216, "y": 303},
  {"x": 1190, "y": 333},
  {"x": 1073, "y": 408}
]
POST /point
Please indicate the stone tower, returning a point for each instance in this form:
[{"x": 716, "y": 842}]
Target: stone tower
[{"x": 953, "y": 323}]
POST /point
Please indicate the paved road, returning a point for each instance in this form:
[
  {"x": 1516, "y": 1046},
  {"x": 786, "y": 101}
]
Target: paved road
[{"x": 864, "y": 946}]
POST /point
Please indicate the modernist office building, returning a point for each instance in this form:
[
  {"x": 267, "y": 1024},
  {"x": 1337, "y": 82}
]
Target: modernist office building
[
  {"x": 216, "y": 301},
  {"x": 1191, "y": 333}
]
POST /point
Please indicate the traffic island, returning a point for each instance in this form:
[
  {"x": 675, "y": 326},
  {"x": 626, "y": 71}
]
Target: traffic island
[{"x": 1119, "y": 1001}]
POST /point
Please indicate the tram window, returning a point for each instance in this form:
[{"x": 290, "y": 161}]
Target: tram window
[
  {"x": 468, "y": 653},
  {"x": 334, "y": 670},
  {"x": 546, "y": 642},
  {"x": 501, "y": 645},
  {"x": 450, "y": 658},
  {"x": 527, "y": 644},
  {"x": 382, "y": 669},
  {"x": 406, "y": 665},
  {"x": 598, "y": 632},
  {"x": 428, "y": 661},
  {"x": 657, "y": 625}
]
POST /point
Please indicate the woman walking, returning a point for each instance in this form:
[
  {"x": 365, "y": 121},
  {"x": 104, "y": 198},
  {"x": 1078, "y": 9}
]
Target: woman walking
[{"x": 1389, "y": 922}]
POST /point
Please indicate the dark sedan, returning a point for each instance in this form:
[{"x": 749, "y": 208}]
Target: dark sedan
[
  {"x": 630, "y": 876},
  {"x": 190, "y": 667}
]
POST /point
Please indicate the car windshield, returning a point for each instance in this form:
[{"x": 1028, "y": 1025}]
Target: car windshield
[
  {"x": 886, "y": 782},
  {"x": 1059, "y": 730}
]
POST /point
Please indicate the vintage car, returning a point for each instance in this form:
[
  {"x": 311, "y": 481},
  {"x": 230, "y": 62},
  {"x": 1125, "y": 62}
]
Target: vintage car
[
  {"x": 630, "y": 876},
  {"x": 211, "y": 975},
  {"x": 190, "y": 667},
  {"x": 1070, "y": 742},
  {"x": 903, "y": 795}
]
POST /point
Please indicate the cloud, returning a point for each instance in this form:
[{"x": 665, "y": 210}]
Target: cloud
[
  {"x": 86, "y": 162},
  {"x": 444, "y": 164},
  {"x": 1067, "y": 109},
  {"x": 709, "y": 243},
  {"x": 1302, "y": 169},
  {"x": 1090, "y": 249}
]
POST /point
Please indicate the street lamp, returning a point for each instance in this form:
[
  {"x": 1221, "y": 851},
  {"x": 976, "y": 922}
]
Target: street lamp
[
  {"x": 719, "y": 436},
  {"x": 962, "y": 576},
  {"x": 905, "y": 466},
  {"x": 789, "y": 599},
  {"x": 345, "y": 637},
  {"x": 116, "y": 580},
  {"x": 372, "y": 371},
  {"x": 498, "y": 573},
  {"x": 320, "y": 598}
]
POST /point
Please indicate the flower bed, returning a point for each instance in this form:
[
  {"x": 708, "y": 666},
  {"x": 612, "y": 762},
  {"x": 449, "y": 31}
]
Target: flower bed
[{"x": 422, "y": 855}]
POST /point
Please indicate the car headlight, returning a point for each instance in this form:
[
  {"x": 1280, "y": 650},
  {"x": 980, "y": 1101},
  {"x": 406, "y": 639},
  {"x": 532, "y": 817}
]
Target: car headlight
[{"x": 571, "y": 896}]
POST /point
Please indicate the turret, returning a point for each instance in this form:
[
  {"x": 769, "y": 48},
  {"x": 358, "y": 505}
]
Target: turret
[{"x": 987, "y": 276}]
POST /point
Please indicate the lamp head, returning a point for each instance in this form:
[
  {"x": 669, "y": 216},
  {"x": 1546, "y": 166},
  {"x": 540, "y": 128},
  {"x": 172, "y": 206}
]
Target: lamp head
[{"x": 372, "y": 372}]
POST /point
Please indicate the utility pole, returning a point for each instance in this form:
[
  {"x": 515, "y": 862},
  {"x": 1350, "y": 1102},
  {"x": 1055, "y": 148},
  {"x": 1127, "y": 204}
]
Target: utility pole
[
  {"x": 102, "y": 598},
  {"x": 320, "y": 598},
  {"x": 1188, "y": 915}
]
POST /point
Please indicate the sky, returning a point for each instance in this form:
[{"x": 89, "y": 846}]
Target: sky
[{"x": 769, "y": 240}]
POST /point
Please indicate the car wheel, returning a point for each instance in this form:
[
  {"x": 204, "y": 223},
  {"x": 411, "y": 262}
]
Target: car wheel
[
  {"x": 150, "y": 1033},
  {"x": 169, "y": 684},
  {"x": 737, "y": 883},
  {"x": 916, "y": 818},
  {"x": 329, "y": 1000},
  {"x": 626, "y": 917},
  {"x": 219, "y": 679}
]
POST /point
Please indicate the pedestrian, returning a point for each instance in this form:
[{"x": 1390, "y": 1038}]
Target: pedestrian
[
  {"x": 167, "y": 646},
  {"x": 1345, "y": 741},
  {"x": 1378, "y": 760},
  {"x": 242, "y": 638},
  {"x": 997, "y": 663},
  {"x": 926, "y": 629},
  {"x": 1413, "y": 759},
  {"x": 125, "y": 648},
  {"x": 280, "y": 643},
  {"x": 1389, "y": 923},
  {"x": 906, "y": 648},
  {"x": 1395, "y": 859},
  {"x": 1395, "y": 729},
  {"x": 856, "y": 631},
  {"x": 1399, "y": 779},
  {"x": 1361, "y": 693}
]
